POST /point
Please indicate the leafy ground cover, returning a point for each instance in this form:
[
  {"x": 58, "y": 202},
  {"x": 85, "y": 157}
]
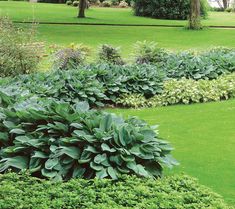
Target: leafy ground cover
[
  {"x": 63, "y": 13},
  {"x": 178, "y": 191},
  {"x": 204, "y": 140}
]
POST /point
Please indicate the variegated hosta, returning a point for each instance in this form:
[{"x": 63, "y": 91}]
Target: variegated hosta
[{"x": 61, "y": 141}]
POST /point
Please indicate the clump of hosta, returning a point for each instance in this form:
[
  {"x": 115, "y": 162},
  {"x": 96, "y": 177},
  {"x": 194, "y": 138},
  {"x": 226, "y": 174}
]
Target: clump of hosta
[
  {"x": 60, "y": 141},
  {"x": 190, "y": 91},
  {"x": 70, "y": 57},
  {"x": 132, "y": 100}
]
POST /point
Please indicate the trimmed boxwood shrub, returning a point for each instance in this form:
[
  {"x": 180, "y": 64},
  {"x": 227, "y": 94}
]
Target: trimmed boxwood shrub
[
  {"x": 59, "y": 141},
  {"x": 178, "y": 191}
]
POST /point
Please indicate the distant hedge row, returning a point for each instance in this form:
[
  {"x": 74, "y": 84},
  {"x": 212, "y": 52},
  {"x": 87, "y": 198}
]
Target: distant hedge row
[{"x": 166, "y": 9}]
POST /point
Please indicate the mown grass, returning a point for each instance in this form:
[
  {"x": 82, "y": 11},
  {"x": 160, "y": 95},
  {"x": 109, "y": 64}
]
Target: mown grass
[
  {"x": 24, "y": 11},
  {"x": 125, "y": 37},
  {"x": 204, "y": 139}
]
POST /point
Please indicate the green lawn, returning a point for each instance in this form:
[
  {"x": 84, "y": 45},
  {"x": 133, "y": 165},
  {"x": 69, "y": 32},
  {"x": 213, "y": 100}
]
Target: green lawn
[
  {"x": 123, "y": 36},
  {"x": 21, "y": 11},
  {"x": 204, "y": 139},
  {"x": 171, "y": 38}
]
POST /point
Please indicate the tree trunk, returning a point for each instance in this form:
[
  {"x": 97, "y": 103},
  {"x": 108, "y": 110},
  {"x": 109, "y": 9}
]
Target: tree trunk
[
  {"x": 195, "y": 15},
  {"x": 82, "y": 7},
  {"x": 225, "y": 4}
]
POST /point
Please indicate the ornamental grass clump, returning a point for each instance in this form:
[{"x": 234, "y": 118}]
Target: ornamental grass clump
[
  {"x": 110, "y": 54},
  {"x": 70, "y": 57},
  {"x": 149, "y": 53},
  {"x": 20, "y": 53}
]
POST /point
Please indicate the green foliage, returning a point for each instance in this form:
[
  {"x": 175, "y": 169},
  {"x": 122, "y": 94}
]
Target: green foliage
[
  {"x": 110, "y": 54},
  {"x": 141, "y": 79},
  {"x": 102, "y": 83},
  {"x": 149, "y": 52},
  {"x": 229, "y": 9},
  {"x": 69, "y": 2},
  {"x": 132, "y": 100},
  {"x": 70, "y": 86},
  {"x": 59, "y": 141},
  {"x": 106, "y": 4},
  {"x": 70, "y": 57},
  {"x": 190, "y": 91},
  {"x": 185, "y": 91},
  {"x": 178, "y": 191},
  {"x": 123, "y": 4},
  {"x": 96, "y": 84},
  {"x": 166, "y": 9},
  {"x": 206, "y": 65},
  {"x": 75, "y": 3},
  {"x": 19, "y": 53}
]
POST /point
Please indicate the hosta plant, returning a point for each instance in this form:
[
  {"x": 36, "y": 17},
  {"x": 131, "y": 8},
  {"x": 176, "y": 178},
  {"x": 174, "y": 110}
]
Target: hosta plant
[
  {"x": 129, "y": 79},
  {"x": 190, "y": 91},
  {"x": 70, "y": 86},
  {"x": 184, "y": 91},
  {"x": 60, "y": 141},
  {"x": 132, "y": 100},
  {"x": 206, "y": 65}
]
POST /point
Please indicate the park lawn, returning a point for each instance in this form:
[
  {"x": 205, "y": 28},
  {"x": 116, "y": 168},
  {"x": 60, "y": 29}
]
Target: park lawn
[
  {"x": 25, "y": 11},
  {"x": 203, "y": 136},
  {"x": 125, "y": 37}
]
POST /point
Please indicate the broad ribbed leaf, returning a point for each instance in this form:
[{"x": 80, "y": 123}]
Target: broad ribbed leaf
[
  {"x": 17, "y": 131},
  {"x": 48, "y": 173},
  {"x": 106, "y": 122},
  {"x": 100, "y": 158},
  {"x": 101, "y": 174},
  {"x": 112, "y": 173},
  {"x": 51, "y": 163},
  {"x": 106, "y": 147},
  {"x": 19, "y": 162},
  {"x": 78, "y": 172}
]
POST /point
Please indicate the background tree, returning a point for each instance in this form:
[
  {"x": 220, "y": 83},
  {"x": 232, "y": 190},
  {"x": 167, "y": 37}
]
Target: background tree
[
  {"x": 195, "y": 15},
  {"x": 82, "y": 7},
  {"x": 223, "y": 3}
]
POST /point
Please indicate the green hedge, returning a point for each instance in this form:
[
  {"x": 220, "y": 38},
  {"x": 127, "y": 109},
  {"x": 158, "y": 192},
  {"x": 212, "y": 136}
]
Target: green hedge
[{"x": 179, "y": 191}]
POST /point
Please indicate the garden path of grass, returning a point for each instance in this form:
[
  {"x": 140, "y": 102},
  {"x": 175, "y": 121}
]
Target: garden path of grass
[{"x": 203, "y": 136}]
